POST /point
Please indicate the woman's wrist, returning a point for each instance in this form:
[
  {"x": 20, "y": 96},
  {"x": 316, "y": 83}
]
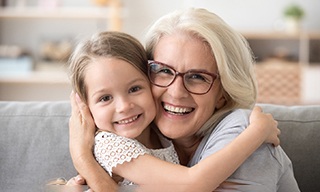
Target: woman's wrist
[
  {"x": 82, "y": 158},
  {"x": 95, "y": 176}
]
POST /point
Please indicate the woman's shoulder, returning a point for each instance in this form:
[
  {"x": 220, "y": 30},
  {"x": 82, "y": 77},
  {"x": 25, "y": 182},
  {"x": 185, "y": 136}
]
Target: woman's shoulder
[
  {"x": 241, "y": 113},
  {"x": 228, "y": 128},
  {"x": 236, "y": 118}
]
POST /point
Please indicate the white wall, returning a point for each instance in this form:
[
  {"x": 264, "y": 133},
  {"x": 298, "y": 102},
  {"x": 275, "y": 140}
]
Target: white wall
[
  {"x": 139, "y": 14},
  {"x": 242, "y": 15},
  {"x": 310, "y": 87}
]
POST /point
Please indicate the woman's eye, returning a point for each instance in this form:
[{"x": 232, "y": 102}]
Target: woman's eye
[
  {"x": 196, "y": 76},
  {"x": 134, "y": 89},
  {"x": 166, "y": 71},
  {"x": 199, "y": 77},
  {"x": 105, "y": 98}
]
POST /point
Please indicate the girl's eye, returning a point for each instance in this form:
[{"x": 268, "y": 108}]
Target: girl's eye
[
  {"x": 105, "y": 98},
  {"x": 134, "y": 89}
]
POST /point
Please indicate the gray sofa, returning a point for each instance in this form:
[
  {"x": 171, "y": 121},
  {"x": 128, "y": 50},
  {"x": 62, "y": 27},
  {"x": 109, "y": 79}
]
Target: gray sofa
[{"x": 34, "y": 143}]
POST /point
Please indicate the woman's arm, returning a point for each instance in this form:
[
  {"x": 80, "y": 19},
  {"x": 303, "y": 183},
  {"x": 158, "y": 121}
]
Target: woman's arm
[{"x": 81, "y": 131}]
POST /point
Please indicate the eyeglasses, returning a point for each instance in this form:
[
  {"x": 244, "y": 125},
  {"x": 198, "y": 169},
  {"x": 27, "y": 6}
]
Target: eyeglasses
[{"x": 195, "y": 81}]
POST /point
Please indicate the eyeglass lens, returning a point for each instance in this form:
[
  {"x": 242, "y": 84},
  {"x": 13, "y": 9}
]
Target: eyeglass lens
[{"x": 194, "y": 81}]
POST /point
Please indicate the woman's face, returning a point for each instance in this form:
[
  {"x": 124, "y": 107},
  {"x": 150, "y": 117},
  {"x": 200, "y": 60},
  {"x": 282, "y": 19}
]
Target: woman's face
[{"x": 183, "y": 52}]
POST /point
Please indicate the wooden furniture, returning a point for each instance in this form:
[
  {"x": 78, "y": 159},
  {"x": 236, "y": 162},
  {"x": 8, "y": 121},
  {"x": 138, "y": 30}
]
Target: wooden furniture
[
  {"x": 284, "y": 62},
  {"x": 49, "y": 81},
  {"x": 279, "y": 82},
  {"x": 302, "y": 48}
]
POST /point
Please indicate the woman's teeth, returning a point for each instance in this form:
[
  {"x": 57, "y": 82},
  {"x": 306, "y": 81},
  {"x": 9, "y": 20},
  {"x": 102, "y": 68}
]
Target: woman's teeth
[{"x": 177, "y": 110}]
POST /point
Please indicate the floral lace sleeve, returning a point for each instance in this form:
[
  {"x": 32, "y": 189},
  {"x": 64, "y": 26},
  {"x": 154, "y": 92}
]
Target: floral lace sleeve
[{"x": 111, "y": 150}]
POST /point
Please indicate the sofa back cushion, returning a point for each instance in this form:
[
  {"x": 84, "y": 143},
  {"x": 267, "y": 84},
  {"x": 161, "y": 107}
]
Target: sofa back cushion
[
  {"x": 33, "y": 144},
  {"x": 300, "y": 134}
]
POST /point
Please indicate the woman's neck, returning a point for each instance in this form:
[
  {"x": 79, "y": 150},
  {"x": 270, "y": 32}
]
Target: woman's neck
[
  {"x": 150, "y": 139},
  {"x": 186, "y": 148}
]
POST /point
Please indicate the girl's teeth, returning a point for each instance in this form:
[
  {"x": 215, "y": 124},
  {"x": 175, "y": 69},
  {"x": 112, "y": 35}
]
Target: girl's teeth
[{"x": 128, "y": 120}]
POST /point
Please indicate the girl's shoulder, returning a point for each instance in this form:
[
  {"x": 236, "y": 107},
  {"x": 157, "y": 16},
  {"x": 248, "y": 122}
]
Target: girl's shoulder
[
  {"x": 113, "y": 141},
  {"x": 111, "y": 149},
  {"x": 168, "y": 152}
]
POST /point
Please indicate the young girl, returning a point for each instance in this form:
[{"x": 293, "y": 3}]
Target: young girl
[{"x": 109, "y": 73}]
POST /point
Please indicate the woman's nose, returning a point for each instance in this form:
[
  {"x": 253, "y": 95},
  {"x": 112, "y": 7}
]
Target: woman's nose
[{"x": 177, "y": 89}]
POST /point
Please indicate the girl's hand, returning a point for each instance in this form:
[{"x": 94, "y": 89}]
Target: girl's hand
[
  {"x": 77, "y": 180},
  {"x": 81, "y": 130},
  {"x": 77, "y": 183},
  {"x": 266, "y": 123}
]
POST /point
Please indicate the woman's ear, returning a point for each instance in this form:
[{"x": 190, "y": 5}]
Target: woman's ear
[{"x": 221, "y": 100}]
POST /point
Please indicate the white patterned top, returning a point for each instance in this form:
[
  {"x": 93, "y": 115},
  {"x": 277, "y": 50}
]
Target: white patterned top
[{"x": 111, "y": 150}]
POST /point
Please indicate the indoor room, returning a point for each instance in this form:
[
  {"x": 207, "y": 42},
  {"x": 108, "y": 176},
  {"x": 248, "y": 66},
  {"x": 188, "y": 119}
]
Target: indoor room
[{"x": 221, "y": 95}]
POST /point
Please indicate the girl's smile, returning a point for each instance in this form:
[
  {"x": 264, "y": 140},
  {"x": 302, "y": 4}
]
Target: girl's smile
[{"x": 119, "y": 97}]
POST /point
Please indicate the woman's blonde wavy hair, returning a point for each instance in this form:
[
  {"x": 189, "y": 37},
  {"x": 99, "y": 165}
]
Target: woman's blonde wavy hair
[{"x": 232, "y": 53}]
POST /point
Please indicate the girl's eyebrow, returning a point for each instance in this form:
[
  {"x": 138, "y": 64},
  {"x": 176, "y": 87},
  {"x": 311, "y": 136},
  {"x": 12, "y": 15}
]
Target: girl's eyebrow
[
  {"x": 98, "y": 92},
  {"x": 129, "y": 83}
]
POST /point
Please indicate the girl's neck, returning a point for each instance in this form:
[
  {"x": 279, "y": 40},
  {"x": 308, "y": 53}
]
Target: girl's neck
[{"x": 186, "y": 148}]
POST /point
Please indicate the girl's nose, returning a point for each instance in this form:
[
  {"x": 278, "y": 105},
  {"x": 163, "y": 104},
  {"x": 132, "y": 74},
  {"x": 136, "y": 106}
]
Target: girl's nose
[{"x": 123, "y": 105}]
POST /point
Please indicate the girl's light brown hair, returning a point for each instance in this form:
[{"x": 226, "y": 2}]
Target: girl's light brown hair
[{"x": 107, "y": 44}]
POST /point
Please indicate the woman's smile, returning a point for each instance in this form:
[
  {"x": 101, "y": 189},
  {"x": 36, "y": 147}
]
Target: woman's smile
[{"x": 176, "y": 110}]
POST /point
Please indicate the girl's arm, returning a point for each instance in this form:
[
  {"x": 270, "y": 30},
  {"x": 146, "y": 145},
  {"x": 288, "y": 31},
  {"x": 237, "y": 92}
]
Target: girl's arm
[
  {"x": 210, "y": 172},
  {"x": 147, "y": 170}
]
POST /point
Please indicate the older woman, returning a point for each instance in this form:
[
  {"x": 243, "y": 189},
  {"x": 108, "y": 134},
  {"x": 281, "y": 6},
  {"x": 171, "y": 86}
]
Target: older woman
[{"x": 184, "y": 47}]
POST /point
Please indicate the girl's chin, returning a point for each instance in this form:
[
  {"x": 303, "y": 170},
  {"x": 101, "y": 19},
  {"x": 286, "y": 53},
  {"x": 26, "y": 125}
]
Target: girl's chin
[{"x": 129, "y": 136}]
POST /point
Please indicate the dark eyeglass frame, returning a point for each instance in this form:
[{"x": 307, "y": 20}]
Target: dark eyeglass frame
[{"x": 214, "y": 76}]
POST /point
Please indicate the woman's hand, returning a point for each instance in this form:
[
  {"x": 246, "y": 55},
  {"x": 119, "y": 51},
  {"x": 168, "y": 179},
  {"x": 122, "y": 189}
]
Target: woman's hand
[
  {"x": 81, "y": 130},
  {"x": 81, "y": 140},
  {"x": 266, "y": 123}
]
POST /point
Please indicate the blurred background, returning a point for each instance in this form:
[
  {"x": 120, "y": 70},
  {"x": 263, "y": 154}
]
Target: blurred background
[{"x": 37, "y": 37}]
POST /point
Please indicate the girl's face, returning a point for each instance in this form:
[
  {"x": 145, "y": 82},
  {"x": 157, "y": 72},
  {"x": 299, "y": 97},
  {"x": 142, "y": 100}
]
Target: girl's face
[
  {"x": 181, "y": 114},
  {"x": 119, "y": 97}
]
